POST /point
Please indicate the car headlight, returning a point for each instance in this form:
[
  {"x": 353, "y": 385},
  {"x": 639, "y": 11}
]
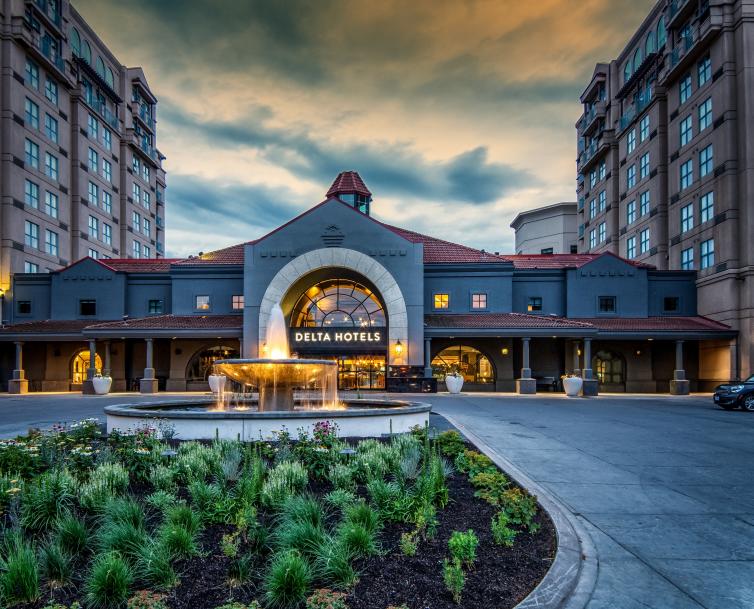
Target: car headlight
[{"x": 736, "y": 388}]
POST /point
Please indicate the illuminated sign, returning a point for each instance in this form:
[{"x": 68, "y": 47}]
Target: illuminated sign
[{"x": 337, "y": 339}]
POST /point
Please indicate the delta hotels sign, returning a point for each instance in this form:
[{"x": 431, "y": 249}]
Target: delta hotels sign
[{"x": 337, "y": 340}]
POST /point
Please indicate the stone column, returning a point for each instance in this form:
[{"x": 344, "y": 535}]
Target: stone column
[
  {"x": 87, "y": 387},
  {"x": 679, "y": 385},
  {"x": 590, "y": 385},
  {"x": 18, "y": 383},
  {"x": 428, "y": 358},
  {"x": 576, "y": 367},
  {"x": 148, "y": 383},
  {"x": 106, "y": 368},
  {"x": 526, "y": 384},
  {"x": 240, "y": 347}
]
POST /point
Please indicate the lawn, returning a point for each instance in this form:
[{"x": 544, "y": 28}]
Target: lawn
[{"x": 145, "y": 521}]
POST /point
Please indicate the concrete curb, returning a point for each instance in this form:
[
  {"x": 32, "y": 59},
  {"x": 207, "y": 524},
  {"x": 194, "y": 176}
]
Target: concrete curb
[{"x": 573, "y": 574}]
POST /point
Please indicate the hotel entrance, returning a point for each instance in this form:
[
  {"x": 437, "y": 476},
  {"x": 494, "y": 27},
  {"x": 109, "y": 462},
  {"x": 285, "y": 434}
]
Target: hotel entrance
[{"x": 361, "y": 372}]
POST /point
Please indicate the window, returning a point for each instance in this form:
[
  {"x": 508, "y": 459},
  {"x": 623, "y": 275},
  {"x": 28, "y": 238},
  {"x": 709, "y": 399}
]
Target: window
[
  {"x": 93, "y": 193},
  {"x": 107, "y": 233},
  {"x": 631, "y": 247},
  {"x": 592, "y": 178},
  {"x": 51, "y": 242},
  {"x": 107, "y": 139},
  {"x": 479, "y": 301},
  {"x": 136, "y": 192},
  {"x": 93, "y": 227},
  {"x": 671, "y": 304},
  {"x": 574, "y": 249},
  {"x": 155, "y": 306},
  {"x": 627, "y": 72},
  {"x": 631, "y": 212},
  {"x": 687, "y": 217},
  {"x": 93, "y": 125},
  {"x": 51, "y": 204},
  {"x": 136, "y": 221},
  {"x": 687, "y": 174},
  {"x": 75, "y": 42},
  {"x": 592, "y": 208},
  {"x": 637, "y": 59},
  {"x": 136, "y": 249},
  {"x": 547, "y": 250},
  {"x": 704, "y": 69},
  {"x": 107, "y": 202},
  {"x": 87, "y": 307},
  {"x": 136, "y": 165},
  {"x": 51, "y": 128},
  {"x": 593, "y": 238},
  {"x": 145, "y": 199},
  {"x": 145, "y": 173},
  {"x": 644, "y": 203},
  {"x": 93, "y": 160},
  {"x": 535, "y": 303},
  {"x": 30, "y": 267},
  {"x": 706, "y": 158},
  {"x": 337, "y": 303},
  {"x": 146, "y": 252},
  {"x": 31, "y": 194},
  {"x": 51, "y": 165},
  {"x": 86, "y": 52},
  {"x": 687, "y": 130},
  {"x": 684, "y": 89},
  {"x": 442, "y": 301},
  {"x": 607, "y": 304},
  {"x": 51, "y": 91},
  {"x": 707, "y": 207},
  {"x": 687, "y": 259},
  {"x": 201, "y": 303},
  {"x": 603, "y": 201},
  {"x": 602, "y": 232},
  {"x": 644, "y": 166},
  {"x": 31, "y": 114},
  {"x": 644, "y": 241},
  {"x": 147, "y": 226},
  {"x": 31, "y": 154},
  {"x": 23, "y": 307},
  {"x": 631, "y": 176},
  {"x": 236, "y": 302},
  {"x": 31, "y": 234},
  {"x": 107, "y": 170},
  {"x": 631, "y": 145},
  {"x": 31, "y": 76},
  {"x": 649, "y": 45},
  {"x": 705, "y": 114},
  {"x": 603, "y": 170},
  {"x": 644, "y": 129},
  {"x": 707, "y": 254},
  {"x": 467, "y": 361}
]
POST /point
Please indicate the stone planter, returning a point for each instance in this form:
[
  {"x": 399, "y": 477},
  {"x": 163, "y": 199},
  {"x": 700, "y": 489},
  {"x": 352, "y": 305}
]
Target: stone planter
[
  {"x": 454, "y": 383},
  {"x": 217, "y": 383},
  {"x": 572, "y": 386},
  {"x": 102, "y": 384}
]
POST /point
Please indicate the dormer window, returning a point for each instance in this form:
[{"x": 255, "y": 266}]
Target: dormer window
[
  {"x": 87, "y": 308},
  {"x": 671, "y": 304},
  {"x": 607, "y": 304}
]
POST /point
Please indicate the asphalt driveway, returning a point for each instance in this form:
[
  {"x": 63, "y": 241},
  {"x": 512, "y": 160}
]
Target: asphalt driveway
[{"x": 664, "y": 485}]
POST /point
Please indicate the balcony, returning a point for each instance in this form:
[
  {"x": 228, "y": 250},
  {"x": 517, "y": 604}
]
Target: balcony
[
  {"x": 591, "y": 118},
  {"x": 101, "y": 108},
  {"x": 142, "y": 143},
  {"x": 49, "y": 10},
  {"x": 634, "y": 110},
  {"x": 680, "y": 10},
  {"x": 45, "y": 47},
  {"x": 159, "y": 222},
  {"x": 144, "y": 113},
  {"x": 590, "y": 153},
  {"x": 683, "y": 54}
]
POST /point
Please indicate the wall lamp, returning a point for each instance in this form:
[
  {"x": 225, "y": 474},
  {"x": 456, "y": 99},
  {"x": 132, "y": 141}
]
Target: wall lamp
[
  {"x": 504, "y": 351},
  {"x": 398, "y": 347}
]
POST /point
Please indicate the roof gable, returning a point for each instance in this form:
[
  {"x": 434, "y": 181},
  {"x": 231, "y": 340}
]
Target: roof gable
[
  {"x": 609, "y": 261},
  {"x": 85, "y": 265}
]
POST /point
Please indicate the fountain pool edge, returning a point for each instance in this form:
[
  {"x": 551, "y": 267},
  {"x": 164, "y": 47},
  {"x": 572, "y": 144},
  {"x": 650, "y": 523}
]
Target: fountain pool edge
[{"x": 383, "y": 417}]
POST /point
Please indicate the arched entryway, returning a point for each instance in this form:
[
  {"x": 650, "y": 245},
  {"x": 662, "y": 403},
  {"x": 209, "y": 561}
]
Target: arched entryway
[
  {"x": 200, "y": 365},
  {"x": 80, "y": 365},
  {"x": 609, "y": 368},
  {"x": 476, "y": 368}
]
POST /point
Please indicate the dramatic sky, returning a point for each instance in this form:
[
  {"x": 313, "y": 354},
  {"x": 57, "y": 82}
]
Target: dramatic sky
[{"x": 458, "y": 114}]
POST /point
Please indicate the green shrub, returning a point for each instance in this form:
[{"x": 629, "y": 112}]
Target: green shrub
[
  {"x": 161, "y": 500},
  {"x": 363, "y": 514},
  {"x": 451, "y": 443},
  {"x": 162, "y": 478},
  {"x": 124, "y": 510},
  {"x": 341, "y": 476},
  {"x": 183, "y": 516},
  {"x": 95, "y": 495},
  {"x": 472, "y": 462},
  {"x": 113, "y": 475},
  {"x": 502, "y": 534},
  {"x": 240, "y": 570},
  {"x": 153, "y": 566},
  {"x": 463, "y": 547},
  {"x": 520, "y": 507},
  {"x": 285, "y": 479},
  {"x": 408, "y": 467},
  {"x": 409, "y": 543},
  {"x": 326, "y": 599},
  {"x": 303, "y": 508},
  {"x": 454, "y": 578},
  {"x": 72, "y": 535},
  {"x": 391, "y": 501},
  {"x": 490, "y": 486},
  {"x": 287, "y": 580},
  {"x": 19, "y": 582},
  {"x": 340, "y": 498},
  {"x": 425, "y": 519},
  {"x": 356, "y": 539},
  {"x": 144, "y": 599},
  {"x": 54, "y": 565},
  {"x": 46, "y": 499},
  {"x": 333, "y": 565},
  {"x": 121, "y": 537},
  {"x": 299, "y": 535},
  {"x": 211, "y": 501},
  {"x": 108, "y": 582},
  {"x": 177, "y": 540}
]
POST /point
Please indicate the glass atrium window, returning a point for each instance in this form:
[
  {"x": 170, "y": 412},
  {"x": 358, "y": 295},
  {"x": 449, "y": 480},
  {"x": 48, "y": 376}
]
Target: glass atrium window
[{"x": 338, "y": 303}]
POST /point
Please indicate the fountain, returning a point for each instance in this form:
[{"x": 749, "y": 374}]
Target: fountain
[{"x": 292, "y": 393}]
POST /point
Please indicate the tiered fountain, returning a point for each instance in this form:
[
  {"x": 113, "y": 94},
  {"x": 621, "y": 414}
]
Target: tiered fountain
[{"x": 272, "y": 393}]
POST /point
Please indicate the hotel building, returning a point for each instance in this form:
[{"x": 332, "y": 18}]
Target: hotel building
[
  {"x": 396, "y": 309},
  {"x": 665, "y": 162},
  {"x": 80, "y": 174}
]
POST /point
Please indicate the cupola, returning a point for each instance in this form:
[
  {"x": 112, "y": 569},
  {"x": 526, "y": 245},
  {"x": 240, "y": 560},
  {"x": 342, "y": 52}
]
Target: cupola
[{"x": 350, "y": 188}]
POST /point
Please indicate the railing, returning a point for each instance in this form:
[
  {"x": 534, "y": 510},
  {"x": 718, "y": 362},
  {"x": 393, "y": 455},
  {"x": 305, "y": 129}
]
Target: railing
[
  {"x": 684, "y": 46},
  {"x": 50, "y": 9},
  {"x": 158, "y": 221},
  {"x": 159, "y": 247},
  {"x": 636, "y": 108},
  {"x": 143, "y": 143},
  {"x": 107, "y": 114},
  {"x": 45, "y": 46},
  {"x": 145, "y": 114}
]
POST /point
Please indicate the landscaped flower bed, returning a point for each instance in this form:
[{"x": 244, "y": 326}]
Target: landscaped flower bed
[{"x": 314, "y": 522}]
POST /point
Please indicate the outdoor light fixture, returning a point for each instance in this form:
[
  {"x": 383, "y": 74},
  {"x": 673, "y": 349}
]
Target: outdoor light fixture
[
  {"x": 578, "y": 352},
  {"x": 504, "y": 351},
  {"x": 398, "y": 347},
  {"x": 638, "y": 352}
]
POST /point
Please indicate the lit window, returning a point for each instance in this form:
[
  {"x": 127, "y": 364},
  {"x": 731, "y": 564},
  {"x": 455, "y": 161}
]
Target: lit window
[
  {"x": 631, "y": 247},
  {"x": 107, "y": 139},
  {"x": 607, "y": 304},
  {"x": 107, "y": 170},
  {"x": 93, "y": 193},
  {"x": 684, "y": 88},
  {"x": 136, "y": 194},
  {"x": 644, "y": 241},
  {"x": 592, "y": 208},
  {"x": 704, "y": 68},
  {"x": 707, "y": 253},
  {"x": 644, "y": 129},
  {"x": 479, "y": 301},
  {"x": 707, "y": 207},
  {"x": 631, "y": 176},
  {"x": 593, "y": 238},
  {"x": 631, "y": 212},
  {"x": 687, "y": 174},
  {"x": 93, "y": 227},
  {"x": 51, "y": 242},
  {"x": 687, "y": 259},
  {"x": 155, "y": 307},
  {"x": 705, "y": 114},
  {"x": 535, "y": 303},
  {"x": 644, "y": 166},
  {"x": 31, "y": 234},
  {"x": 31, "y": 154},
  {"x": 631, "y": 145},
  {"x": 687, "y": 217},
  {"x": 93, "y": 160},
  {"x": 31, "y": 114},
  {"x": 603, "y": 201},
  {"x": 136, "y": 249},
  {"x": 51, "y": 165},
  {"x": 93, "y": 125},
  {"x": 136, "y": 221},
  {"x": 237, "y": 302},
  {"x": 467, "y": 361},
  {"x": 31, "y": 194},
  {"x": 706, "y": 157},
  {"x": 687, "y": 130},
  {"x": 644, "y": 203},
  {"x": 107, "y": 202},
  {"x": 442, "y": 301},
  {"x": 51, "y": 204},
  {"x": 202, "y": 303}
]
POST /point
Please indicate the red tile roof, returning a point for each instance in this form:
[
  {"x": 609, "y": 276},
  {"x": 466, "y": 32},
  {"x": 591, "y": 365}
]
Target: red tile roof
[
  {"x": 657, "y": 324},
  {"x": 140, "y": 265},
  {"x": 501, "y": 320},
  {"x": 173, "y": 322},
  {"x": 228, "y": 255},
  {"x": 348, "y": 182},
  {"x": 439, "y": 251},
  {"x": 48, "y": 326},
  {"x": 561, "y": 261}
]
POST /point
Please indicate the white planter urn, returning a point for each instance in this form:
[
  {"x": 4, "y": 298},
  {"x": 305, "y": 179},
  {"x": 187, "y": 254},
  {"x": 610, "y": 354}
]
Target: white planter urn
[
  {"x": 102, "y": 384},
  {"x": 572, "y": 386},
  {"x": 217, "y": 383},
  {"x": 454, "y": 383}
]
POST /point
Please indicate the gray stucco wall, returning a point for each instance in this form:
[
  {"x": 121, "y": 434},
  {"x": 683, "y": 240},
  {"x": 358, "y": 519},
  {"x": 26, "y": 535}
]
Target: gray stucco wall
[{"x": 607, "y": 276}]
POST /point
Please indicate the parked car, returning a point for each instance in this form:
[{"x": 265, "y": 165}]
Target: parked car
[{"x": 736, "y": 394}]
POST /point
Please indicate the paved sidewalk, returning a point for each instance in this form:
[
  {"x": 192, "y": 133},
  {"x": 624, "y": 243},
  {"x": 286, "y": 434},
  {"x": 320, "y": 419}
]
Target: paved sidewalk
[{"x": 664, "y": 485}]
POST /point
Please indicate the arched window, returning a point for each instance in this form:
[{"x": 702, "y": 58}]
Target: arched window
[
  {"x": 80, "y": 365},
  {"x": 649, "y": 46},
  {"x": 338, "y": 303},
  {"x": 609, "y": 368},
  {"x": 637, "y": 59},
  {"x": 100, "y": 66},
  {"x": 200, "y": 366},
  {"x": 661, "y": 33},
  {"x": 109, "y": 78},
  {"x": 471, "y": 363},
  {"x": 86, "y": 52},
  {"x": 627, "y": 72},
  {"x": 75, "y": 42}
]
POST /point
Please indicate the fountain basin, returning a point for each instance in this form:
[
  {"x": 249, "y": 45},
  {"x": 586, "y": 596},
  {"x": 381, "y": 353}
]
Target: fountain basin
[{"x": 196, "y": 419}]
